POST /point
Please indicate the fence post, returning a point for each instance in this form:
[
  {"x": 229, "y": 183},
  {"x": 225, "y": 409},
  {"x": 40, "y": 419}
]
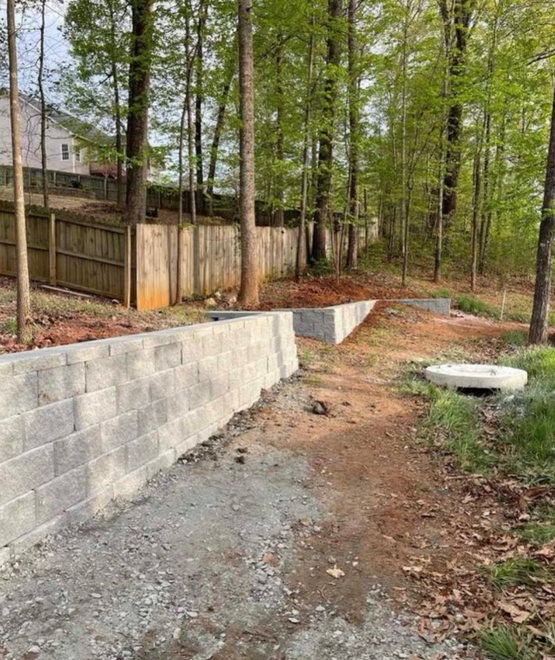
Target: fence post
[
  {"x": 53, "y": 279},
  {"x": 196, "y": 261},
  {"x": 127, "y": 269}
]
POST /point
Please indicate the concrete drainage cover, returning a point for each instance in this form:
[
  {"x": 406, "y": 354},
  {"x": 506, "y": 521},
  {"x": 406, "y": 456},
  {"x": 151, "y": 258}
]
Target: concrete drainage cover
[{"x": 477, "y": 376}]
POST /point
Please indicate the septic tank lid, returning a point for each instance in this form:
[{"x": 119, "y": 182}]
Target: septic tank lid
[{"x": 477, "y": 376}]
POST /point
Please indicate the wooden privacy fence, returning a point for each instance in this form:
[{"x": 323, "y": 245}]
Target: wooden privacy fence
[
  {"x": 210, "y": 259},
  {"x": 74, "y": 253},
  {"x": 139, "y": 266}
]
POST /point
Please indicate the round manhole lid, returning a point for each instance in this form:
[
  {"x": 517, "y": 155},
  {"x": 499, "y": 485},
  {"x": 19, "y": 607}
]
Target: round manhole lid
[{"x": 477, "y": 376}]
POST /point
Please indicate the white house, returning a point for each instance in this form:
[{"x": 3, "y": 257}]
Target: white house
[{"x": 66, "y": 137}]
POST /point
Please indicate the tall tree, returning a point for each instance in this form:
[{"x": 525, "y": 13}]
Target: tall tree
[
  {"x": 456, "y": 18},
  {"x": 22, "y": 266},
  {"x": 324, "y": 212},
  {"x": 43, "y": 109},
  {"x": 354, "y": 142},
  {"x": 542, "y": 289},
  {"x": 137, "y": 118},
  {"x": 248, "y": 294}
]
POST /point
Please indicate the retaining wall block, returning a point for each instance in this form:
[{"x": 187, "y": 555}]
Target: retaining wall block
[
  {"x": 18, "y": 394},
  {"x": 119, "y": 430},
  {"x": 48, "y": 423},
  {"x": 132, "y": 395},
  {"x": 26, "y": 472},
  {"x": 76, "y": 449},
  {"x": 142, "y": 450},
  {"x": 153, "y": 416},
  {"x": 61, "y": 383},
  {"x": 105, "y": 372},
  {"x": 94, "y": 407},
  {"x": 104, "y": 471},
  {"x": 17, "y": 518},
  {"x": 11, "y": 437},
  {"x": 56, "y": 496}
]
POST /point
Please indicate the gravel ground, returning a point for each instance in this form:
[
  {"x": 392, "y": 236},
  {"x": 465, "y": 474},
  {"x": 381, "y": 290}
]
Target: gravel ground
[{"x": 201, "y": 566}]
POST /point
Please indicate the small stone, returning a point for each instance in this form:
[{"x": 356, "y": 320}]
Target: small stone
[
  {"x": 192, "y": 615},
  {"x": 96, "y": 595},
  {"x": 35, "y": 650},
  {"x": 293, "y": 620},
  {"x": 320, "y": 608}
]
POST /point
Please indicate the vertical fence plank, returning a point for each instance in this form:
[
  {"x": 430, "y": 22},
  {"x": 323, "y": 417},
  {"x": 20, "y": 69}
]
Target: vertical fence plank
[
  {"x": 53, "y": 279},
  {"x": 127, "y": 268}
]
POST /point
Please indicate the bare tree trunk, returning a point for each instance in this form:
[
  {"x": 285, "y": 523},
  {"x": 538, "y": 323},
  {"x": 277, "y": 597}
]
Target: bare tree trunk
[
  {"x": 404, "y": 205},
  {"x": 137, "y": 120},
  {"x": 191, "y": 134},
  {"x": 199, "y": 100},
  {"x": 279, "y": 185},
  {"x": 456, "y": 20},
  {"x": 323, "y": 213},
  {"x": 354, "y": 129},
  {"x": 22, "y": 265},
  {"x": 542, "y": 291},
  {"x": 117, "y": 108},
  {"x": 179, "y": 283},
  {"x": 220, "y": 119},
  {"x": 477, "y": 171},
  {"x": 302, "y": 243},
  {"x": 43, "y": 118},
  {"x": 248, "y": 294}
]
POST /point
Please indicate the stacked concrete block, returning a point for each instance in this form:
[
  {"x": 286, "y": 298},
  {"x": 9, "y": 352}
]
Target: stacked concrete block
[
  {"x": 436, "y": 305},
  {"x": 81, "y": 425}
]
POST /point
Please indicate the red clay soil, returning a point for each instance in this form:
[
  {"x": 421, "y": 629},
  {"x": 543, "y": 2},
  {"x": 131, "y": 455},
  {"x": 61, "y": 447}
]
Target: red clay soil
[
  {"x": 328, "y": 290},
  {"x": 402, "y": 519}
]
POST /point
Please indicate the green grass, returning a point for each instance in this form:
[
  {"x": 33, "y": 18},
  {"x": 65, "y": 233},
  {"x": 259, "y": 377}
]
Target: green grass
[
  {"x": 473, "y": 305},
  {"x": 515, "y": 337},
  {"x": 540, "y": 529},
  {"x": 515, "y": 572},
  {"x": 9, "y": 327},
  {"x": 501, "y": 642},
  {"x": 538, "y": 361},
  {"x": 454, "y": 420}
]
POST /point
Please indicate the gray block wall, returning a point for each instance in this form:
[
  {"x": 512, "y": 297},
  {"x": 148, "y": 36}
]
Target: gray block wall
[
  {"x": 83, "y": 424},
  {"x": 328, "y": 324},
  {"x": 436, "y": 305}
]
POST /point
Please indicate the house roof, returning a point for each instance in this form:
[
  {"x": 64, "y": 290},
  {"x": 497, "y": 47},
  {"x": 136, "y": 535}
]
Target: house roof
[{"x": 79, "y": 128}]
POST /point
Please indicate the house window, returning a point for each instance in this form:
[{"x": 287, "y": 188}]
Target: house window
[
  {"x": 78, "y": 155},
  {"x": 65, "y": 151}
]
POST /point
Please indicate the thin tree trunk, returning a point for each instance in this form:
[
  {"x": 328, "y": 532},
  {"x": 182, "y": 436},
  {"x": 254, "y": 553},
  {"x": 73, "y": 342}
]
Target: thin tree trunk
[
  {"x": 542, "y": 291},
  {"x": 248, "y": 293},
  {"x": 477, "y": 170},
  {"x": 302, "y": 243},
  {"x": 182, "y": 120},
  {"x": 22, "y": 265},
  {"x": 191, "y": 135},
  {"x": 199, "y": 100},
  {"x": 279, "y": 186},
  {"x": 439, "y": 232},
  {"x": 218, "y": 129},
  {"x": 323, "y": 213},
  {"x": 404, "y": 191},
  {"x": 137, "y": 120},
  {"x": 117, "y": 109},
  {"x": 456, "y": 21},
  {"x": 354, "y": 129},
  {"x": 43, "y": 118}
]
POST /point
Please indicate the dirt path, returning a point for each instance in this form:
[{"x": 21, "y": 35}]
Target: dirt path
[{"x": 226, "y": 557}]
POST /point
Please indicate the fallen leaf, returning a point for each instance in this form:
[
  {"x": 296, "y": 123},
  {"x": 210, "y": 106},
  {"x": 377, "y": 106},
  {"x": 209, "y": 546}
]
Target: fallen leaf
[
  {"x": 335, "y": 572},
  {"x": 517, "y": 615}
]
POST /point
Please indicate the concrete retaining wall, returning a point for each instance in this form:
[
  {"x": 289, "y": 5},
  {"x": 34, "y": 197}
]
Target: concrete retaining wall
[
  {"x": 83, "y": 424},
  {"x": 329, "y": 324},
  {"x": 436, "y": 305}
]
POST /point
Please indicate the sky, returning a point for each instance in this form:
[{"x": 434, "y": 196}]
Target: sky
[{"x": 56, "y": 46}]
